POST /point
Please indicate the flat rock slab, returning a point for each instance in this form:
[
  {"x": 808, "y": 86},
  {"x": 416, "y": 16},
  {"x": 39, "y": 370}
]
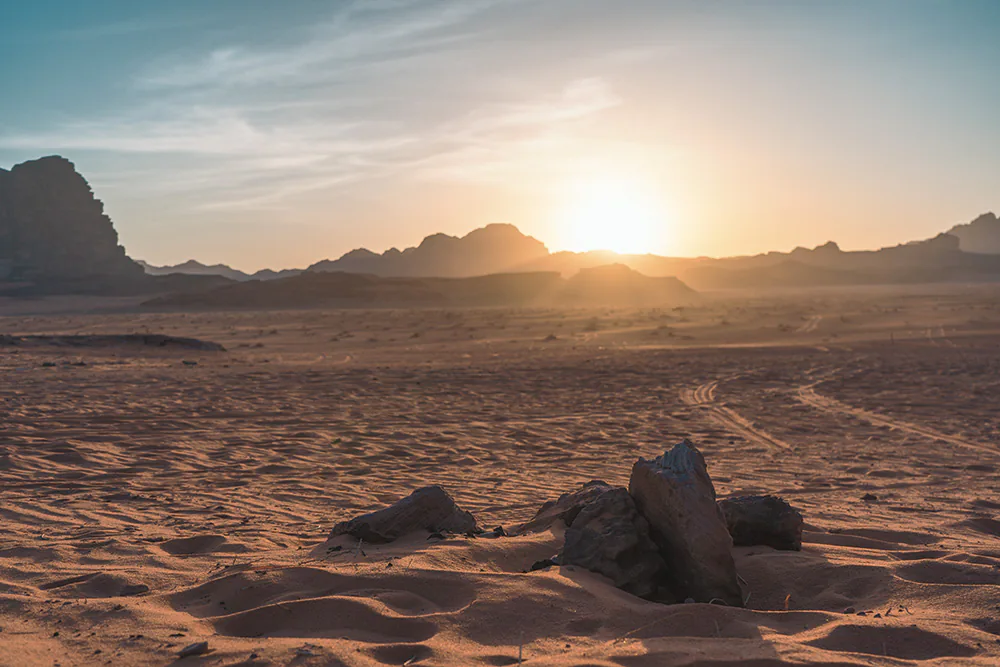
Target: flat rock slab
[
  {"x": 676, "y": 496},
  {"x": 763, "y": 520},
  {"x": 428, "y": 509},
  {"x": 609, "y": 536}
]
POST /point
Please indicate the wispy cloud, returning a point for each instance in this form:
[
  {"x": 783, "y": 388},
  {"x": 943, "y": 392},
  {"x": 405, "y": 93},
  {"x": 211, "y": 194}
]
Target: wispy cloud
[
  {"x": 251, "y": 127},
  {"x": 360, "y": 34}
]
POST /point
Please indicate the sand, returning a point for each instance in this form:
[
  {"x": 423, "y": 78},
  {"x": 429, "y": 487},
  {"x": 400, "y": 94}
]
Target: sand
[{"x": 152, "y": 499}]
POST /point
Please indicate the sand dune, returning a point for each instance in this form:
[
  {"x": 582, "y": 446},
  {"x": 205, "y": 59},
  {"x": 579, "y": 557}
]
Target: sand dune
[{"x": 149, "y": 504}]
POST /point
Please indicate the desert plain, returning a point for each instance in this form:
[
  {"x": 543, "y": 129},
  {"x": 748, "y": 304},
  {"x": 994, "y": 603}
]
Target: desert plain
[{"x": 153, "y": 498}]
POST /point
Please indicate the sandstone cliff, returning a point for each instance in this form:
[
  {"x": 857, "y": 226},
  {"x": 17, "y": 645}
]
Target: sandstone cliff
[{"x": 54, "y": 230}]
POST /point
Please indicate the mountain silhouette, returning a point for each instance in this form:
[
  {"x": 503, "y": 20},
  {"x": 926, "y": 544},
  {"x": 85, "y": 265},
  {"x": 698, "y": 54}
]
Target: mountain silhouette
[
  {"x": 195, "y": 268},
  {"x": 981, "y": 236},
  {"x": 604, "y": 286},
  {"x": 56, "y": 238},
  {"x": 491, "y": 249}
]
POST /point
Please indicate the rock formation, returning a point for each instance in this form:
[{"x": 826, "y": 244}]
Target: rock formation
[
  {"x": 53, "y": 229},
  {"x": 767, "y": 520},
  {"x": 429, "y": 508},
  {"x": 675, "y": 494}
]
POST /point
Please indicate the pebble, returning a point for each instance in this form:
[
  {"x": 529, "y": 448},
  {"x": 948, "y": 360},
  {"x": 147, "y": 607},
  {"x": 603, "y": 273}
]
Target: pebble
[{"x": 198, "y": 648}]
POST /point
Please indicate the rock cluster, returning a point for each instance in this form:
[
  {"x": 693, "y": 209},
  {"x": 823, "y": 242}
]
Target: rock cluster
[
  {"x": 53, "y": 229},
  {"x": 664, "y": 538}
]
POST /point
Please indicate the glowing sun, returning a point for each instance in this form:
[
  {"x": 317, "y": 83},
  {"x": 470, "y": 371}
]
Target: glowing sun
[{"x": 608, "y": 213}]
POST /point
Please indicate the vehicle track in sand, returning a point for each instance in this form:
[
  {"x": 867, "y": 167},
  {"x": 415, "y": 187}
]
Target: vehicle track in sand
[
  {"x": 807, "y": 394},
  {"x": 703, "y": 397}
]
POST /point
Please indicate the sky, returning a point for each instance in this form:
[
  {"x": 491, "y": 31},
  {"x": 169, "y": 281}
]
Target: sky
[{"x": 268, "y": 134}]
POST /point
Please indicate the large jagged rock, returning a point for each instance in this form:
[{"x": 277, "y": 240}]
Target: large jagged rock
[
  {"x": 429, "y": 508},
  {"x": 566, "y": 508},
  {"x": 766, "y": 520},
  {"x": 609, "y": 536},
  {"x": 53, "y": 229},
  {"x": 675, "y": 494}
]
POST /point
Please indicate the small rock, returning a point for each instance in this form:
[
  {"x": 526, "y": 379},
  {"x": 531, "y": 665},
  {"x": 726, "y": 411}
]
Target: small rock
[
  {"x": 198, "y": 648},
  {"x": 134, "y": 589},
  {"x": 189, "y": 363},
  {"x": 767, "y": 520},
  {"x": 850, "y": 610},
  {"x": 543, "y": 564},
  {"x": 676, "y": 496},
  {"x": 429, "y": 508},
  {"x": 869, "y": 498}
]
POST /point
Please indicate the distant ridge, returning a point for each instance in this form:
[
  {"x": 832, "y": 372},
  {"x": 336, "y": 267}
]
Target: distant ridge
[
  {"x": 55, "y": 238},
  {"x": 504, "y": 249},
  {"x": 195, "y": 268},
  {"x": 491, "y": 249},
  {"x": 604, "y": 286},
  {"x": 981, "y": 236}
]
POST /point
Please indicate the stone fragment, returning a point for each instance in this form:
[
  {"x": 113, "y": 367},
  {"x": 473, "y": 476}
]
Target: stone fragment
[
  {"x": 609, "y": 537},
  {"x": 763, "y": 520},
  {"x": 198, "y": 648},
  {"x": 565, "y": 508},
  {"x": 427, "y": 509},
  {"x": 675, "y": 494}
]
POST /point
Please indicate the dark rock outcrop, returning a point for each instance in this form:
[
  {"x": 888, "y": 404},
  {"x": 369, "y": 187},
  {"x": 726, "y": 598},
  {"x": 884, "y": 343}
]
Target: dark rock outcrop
[
  {"x": 676, "y": 496},
  {"x": 110, "y": 340},
  {"x": 53, "y": 229},
  {"x": 763, "y": 520},
  {"x": 427, "y": 509},
  {"x": 609, "y": 536}
]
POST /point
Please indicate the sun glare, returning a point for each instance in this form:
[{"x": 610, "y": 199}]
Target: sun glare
[{"x": 609, "y": 213}]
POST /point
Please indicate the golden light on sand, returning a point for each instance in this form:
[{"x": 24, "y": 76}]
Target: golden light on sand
[{"x": 612, "y": 213}]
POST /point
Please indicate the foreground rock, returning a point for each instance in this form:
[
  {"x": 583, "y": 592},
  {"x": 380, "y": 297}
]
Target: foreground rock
[
  {"x": 427, "y": 509},
  {"x": 675, "y": 494},
  {"x": 766, "y": 520},
  {"x": 566, "y": 508},
  {"x": 609, "y": 536}
]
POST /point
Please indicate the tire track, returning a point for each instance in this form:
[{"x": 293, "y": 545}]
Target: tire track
[
  {"x": 807, "y": 395},
  {"x": 704, "y": 397}
]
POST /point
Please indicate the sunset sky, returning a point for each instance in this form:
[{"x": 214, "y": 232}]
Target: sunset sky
[{"x": 278, "y": 134}]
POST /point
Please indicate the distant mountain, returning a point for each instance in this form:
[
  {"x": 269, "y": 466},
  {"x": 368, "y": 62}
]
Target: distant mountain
[
  {"x": 617, "y": 284},
  {"x": 981, "y": 236},
  {"x": 605, "y": 286},
  {"x": 195, "y": 268},
  {"x": 492, "y": 249}
]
